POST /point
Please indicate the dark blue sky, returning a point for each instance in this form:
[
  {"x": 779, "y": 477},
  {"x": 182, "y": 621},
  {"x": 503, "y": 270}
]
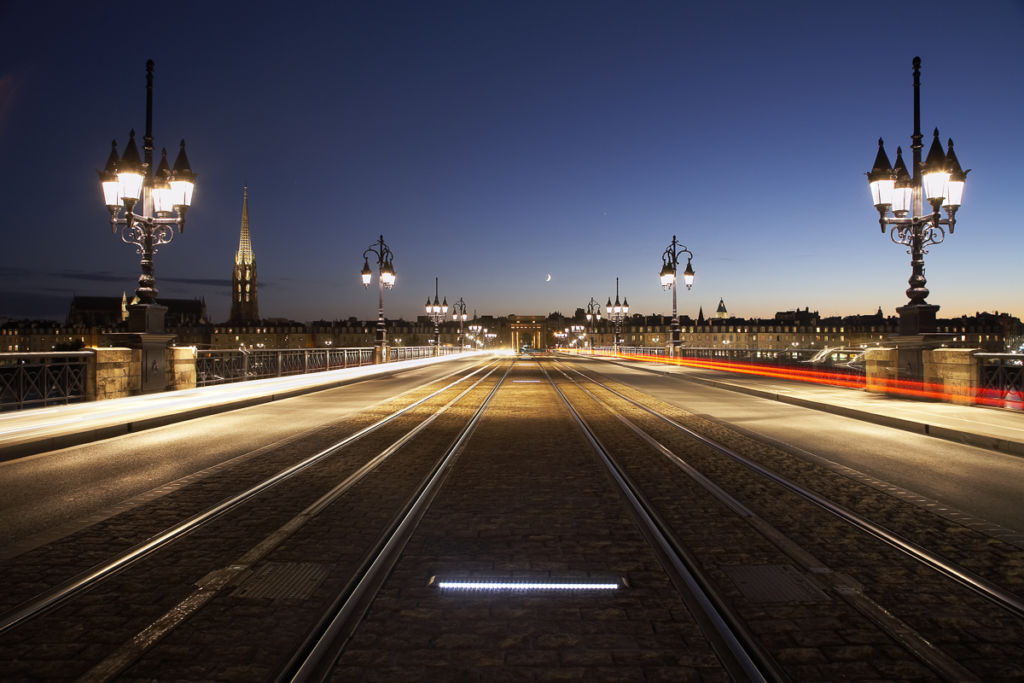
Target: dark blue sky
[{"x": 492, "y": 143}]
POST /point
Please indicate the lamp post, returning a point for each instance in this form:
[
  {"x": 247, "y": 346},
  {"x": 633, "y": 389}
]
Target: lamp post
[
  {"x": 616, "y": 313},
  {"x": 385, "y": 278},
  {"x": 593, "y": 317},
  {"x": 437, "y": 312},
  {"x": 940, "y": 181},
  {"x": 459, "y": 313},
  {"x": 669, "y": 264},
  {"x": 166, "y": 196}
]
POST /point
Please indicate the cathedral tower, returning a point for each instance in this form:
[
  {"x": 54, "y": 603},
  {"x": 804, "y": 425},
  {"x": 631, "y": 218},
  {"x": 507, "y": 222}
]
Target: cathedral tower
[{"x": 243, "y": 281}]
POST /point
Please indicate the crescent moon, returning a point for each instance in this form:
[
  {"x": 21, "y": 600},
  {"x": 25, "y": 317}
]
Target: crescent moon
[{"x": 549, "y": 278}]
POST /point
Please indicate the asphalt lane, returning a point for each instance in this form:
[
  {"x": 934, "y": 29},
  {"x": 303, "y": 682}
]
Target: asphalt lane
[
  {"x": 979, "y": 482},
  {"x": 48, "y": 495}
]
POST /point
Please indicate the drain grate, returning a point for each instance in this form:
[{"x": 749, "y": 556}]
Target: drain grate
[
  {"x": 774, "y": 583},
  {"x": 283, "y": 581}
]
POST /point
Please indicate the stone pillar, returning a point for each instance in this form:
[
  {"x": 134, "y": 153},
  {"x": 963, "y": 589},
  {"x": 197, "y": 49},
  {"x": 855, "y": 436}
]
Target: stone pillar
[
  {"x": 114, "y": 373},
  {"x": 153, "y": 368},
  {"x": 181, "y": 364},
  {"x": 952, "y": 373},
  {"x": 880, "y": 369}
]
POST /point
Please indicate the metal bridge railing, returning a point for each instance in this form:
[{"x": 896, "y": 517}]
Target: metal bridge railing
[
  {"x": 30, "y": 380},
  {"x": 220, "y": 366},
  {"x": 1001, "y": 376},
  {"x": 397, "y": 353},
  {"x": 774, "y": 356}
]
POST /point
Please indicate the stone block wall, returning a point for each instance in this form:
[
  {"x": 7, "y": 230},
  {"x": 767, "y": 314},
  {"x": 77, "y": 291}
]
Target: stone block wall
[
  {"x": 954, "y": 372},
  {"x": 113, "y": 373},
  {"x": 181, "y": 367},
  {"x": 880, "y": 368}
]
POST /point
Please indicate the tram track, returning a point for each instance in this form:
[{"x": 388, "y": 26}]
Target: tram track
[
  {"x": 736, "y": 647},
  {"x": 914, "y": 627},
  {"x": 315, "y": 658},
  {"x": 551, "y": 478},
  {"x": 63, "y": 595},
  {"x": 401, "y": 595}
]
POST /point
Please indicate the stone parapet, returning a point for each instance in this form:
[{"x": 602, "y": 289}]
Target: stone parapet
[
  {"x": 113, "y": 373},
  {"x": 954, "y": 372},
  {"x": 880, "y": 368},
  {"x": 181, "y": 367}
]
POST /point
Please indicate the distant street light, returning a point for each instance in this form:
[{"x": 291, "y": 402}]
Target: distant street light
[
  {"x": 386, "y": 278},
  {"x": 459, "y": 313},
  {"x": 437, "y": 312},
  {"x": 593, "y": 317},
  {"x": 940, "y": 180},
  {"x": 616, "y": 313},
  {"x": 166, "y": 196},
  {"x": 474, "y": 334},
  {"x": 577, "y": 334},
  {"x": 669, "y": 264}
]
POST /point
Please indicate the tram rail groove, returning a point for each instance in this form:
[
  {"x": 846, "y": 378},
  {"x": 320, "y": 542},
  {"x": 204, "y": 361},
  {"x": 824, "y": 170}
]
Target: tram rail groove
[
  {"x": 982, "y": 587},
  {"x": 48, "y": 600},
  {"x": 314, "y": 660},
  {"x": 234, "y": 572},
  {"x": 739, "y": 653},
  {"x": 840, "y": 584}
]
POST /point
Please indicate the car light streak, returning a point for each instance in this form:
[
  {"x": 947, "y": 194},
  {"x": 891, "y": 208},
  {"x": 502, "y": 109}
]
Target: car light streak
[
  {"x": 129, "y": 408},
  {"x": 895, "y": 387}
]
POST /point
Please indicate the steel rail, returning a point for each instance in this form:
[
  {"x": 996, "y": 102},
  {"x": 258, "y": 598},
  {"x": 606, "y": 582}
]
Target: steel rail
[
  {"x": 947, "y": 668},
  {"x": 314, "y": 660},
  {"x": 736, "y": 649},
  {"x": 51, "y": 598},
  {"x": 218, "y": 580},
  {"x": 986, "y": 589}
]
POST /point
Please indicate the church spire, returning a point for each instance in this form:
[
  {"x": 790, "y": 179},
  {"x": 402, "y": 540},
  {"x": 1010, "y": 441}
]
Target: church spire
[
  {"x": 244, "y": 306},
  {"x": 244, "y": 254}
]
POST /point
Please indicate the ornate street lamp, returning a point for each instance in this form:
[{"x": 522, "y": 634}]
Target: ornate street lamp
[
  {"x": 940, "y": 181},
  {"x": 459, "y": 313},
  {"x": 166, "y": 196},
  {"x": 616, "y": 313},
  {"x": 593, "y": 317},
  {"x": 437, "y": 312},
  {"x": 386, "y": 278},
  {"x": 669, "y": 264}
]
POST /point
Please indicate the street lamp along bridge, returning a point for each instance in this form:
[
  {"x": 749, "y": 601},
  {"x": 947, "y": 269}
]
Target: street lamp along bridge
[
  {"x": 386, "y": 278},
  {"x": 669, "y": 265},
  {"x": 437, "y": 312},
  {"x": 166, "y": 196},
  {"x": 939, "y": 180}
]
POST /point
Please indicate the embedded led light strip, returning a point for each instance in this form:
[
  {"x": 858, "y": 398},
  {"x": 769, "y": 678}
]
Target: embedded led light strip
[{"x": 522, "y": 586}]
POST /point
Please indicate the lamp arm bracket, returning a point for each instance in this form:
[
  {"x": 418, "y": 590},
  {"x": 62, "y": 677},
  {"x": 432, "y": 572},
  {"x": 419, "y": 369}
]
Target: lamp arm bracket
[{"x": 136, "y": 232}]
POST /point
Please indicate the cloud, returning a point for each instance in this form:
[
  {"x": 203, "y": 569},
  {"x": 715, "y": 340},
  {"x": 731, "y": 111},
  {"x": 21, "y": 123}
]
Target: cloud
[{"x": 23, "y": 275}]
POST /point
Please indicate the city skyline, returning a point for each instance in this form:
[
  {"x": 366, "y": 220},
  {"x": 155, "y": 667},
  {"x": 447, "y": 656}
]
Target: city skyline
[{"x": 493, "y": 145}]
